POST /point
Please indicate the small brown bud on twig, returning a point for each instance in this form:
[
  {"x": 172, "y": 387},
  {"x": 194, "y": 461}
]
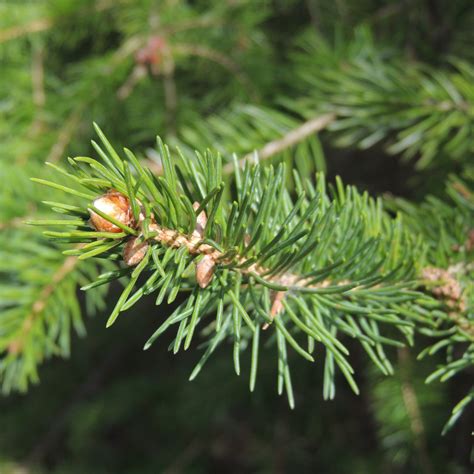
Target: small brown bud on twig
[
  {"x": 14, "y": 347},
  {"x": 448, "y": 286},
  {"x": 134, "y": 251},
  {"x": 115, "y": 205},
  {"x": 470, "y": 241},
  {"x": 201, "y": 221},
  {"x": 205, "y": 271},
  {"x": 277, "y": 306},
  {"x": 152, "y": 54}
]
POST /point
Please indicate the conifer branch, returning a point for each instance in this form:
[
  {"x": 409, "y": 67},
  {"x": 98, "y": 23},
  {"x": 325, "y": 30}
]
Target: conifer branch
[
  {"x": 37, "y": 77},
  {"x": 412, "y": 406},
  {"x": 34, "y": 26},
  {"x": 448, "y": 288},
  {"x": 427, "y": 114},
  {"x": 16, "y": 345},
  {"x": 245, "y": 247},
  {"x": 290, "y": 139},
  {"x": 307, "y": 264},
  {"x": 35, "y": 324},
  {"x": 65, "y": 135}
]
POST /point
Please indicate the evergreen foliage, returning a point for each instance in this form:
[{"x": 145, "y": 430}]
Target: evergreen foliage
[
  {"x": 314, "y": 247},
  {"x": 237, "y": 230}
]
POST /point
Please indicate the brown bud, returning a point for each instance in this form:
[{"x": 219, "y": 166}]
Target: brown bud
[
  {"x": 15, "y": 347},
  {"x": 470, "y": 241},
  {"x": 134, "y": 251},
  {"x": 115, "y": 205},
  {"x": 447, "y": 286},
  {"x": 205, "y": 271},
  {"x": 201, "y": 221},
  {"x": 277, "y": 306}
]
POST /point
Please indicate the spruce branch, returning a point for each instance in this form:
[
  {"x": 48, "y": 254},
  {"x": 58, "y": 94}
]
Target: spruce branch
[
  {"x": 37, "y": 77},
  {"x": 413, "y": 110},
  {"x": 271, "y": 132},
  {"x": 38, "y": 306},
  {"x": 448, "y": 274},
  {"x": 16, "y": 345},
  {"x": 318, "y": 266},
  {"x": 17, "y": 31},
  {"x": 65, "y": 135},
  {"x": 444, "y": 284},
  {"x": 412, "y": 405},
  {"x": 410, "y": 108},
  {"x": 290, "y": 139}
]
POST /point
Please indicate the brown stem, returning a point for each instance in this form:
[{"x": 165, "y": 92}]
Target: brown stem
[
  {"x": 13, "y": 223},
  {"x": 291, "y": 281},
  {"x": 291, "y": 138},
  {"x": 277, "y": 306},
  {"x": 37, "y": 77},
  {"x": 193, "y": 243},
  {"x": 274, "y": 147},
  {"x": 412, "y": 406},
  {"x": 34, "y": 26},
  {"x": 16, "y": 345},
  {"x": 137, "y": 74},
  {"x": 65, "y": 135}
]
